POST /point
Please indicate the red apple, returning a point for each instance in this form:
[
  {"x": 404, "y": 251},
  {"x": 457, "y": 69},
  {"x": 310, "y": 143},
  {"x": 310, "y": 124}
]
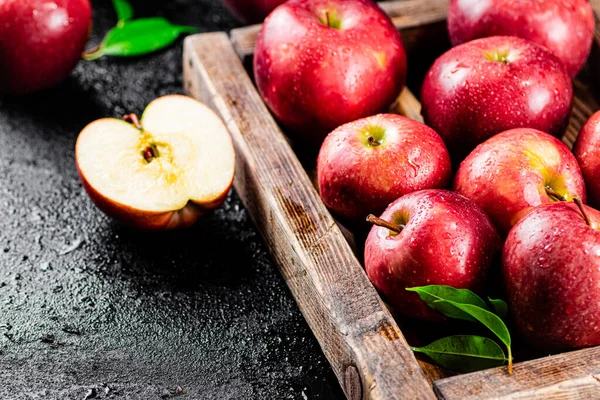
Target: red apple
[
  {"x": 587, "y": 152},
  {"x": 322, "y": 63},
  {"x": 516, "y": 170},
  {"x": 40, "y": 42},
  {"x": 565, "y": 27},
  {"x": 443, "y": 239},
  {"x": 551, "y": 266},
  {"x": 490, "y": 85},
  {"x": 252, "y": 11},
  {"x": 162, "y": 172},
  {"x": 365, "y": 165}
]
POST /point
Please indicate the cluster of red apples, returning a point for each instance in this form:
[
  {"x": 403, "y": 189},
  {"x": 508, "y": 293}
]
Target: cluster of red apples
[{"x": 494, "y": 106}]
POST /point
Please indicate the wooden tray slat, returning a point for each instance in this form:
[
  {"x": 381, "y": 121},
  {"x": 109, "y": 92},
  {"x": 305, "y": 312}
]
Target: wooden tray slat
[
  {"x": 356, "y": 331},
  {"x": 571, "y": 375}
]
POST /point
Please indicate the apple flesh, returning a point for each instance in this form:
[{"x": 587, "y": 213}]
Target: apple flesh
[
  {"x": 163, "y": 172},
  {"x": 365, "y": 165},
  {"x": 41, "y": 41},
  {"x": 323, "y": 63},
  {"x": 491, "y": 85},
  {"x": 551, "y": 267},
  {"x": 251, "y": 11},
  {"x": 517, "y": 170},
  {"x": 566, "y": 28},
  {"x": 444, "y": 239},
  {"x": 587, "y": 152}
]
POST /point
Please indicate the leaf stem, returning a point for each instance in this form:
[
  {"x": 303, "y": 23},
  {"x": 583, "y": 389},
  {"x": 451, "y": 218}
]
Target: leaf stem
[{"x": 510, "y": 360}]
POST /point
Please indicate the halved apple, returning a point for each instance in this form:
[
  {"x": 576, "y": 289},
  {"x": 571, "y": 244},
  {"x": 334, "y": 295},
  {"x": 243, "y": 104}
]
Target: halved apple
[{"x": 162, "y": 172}]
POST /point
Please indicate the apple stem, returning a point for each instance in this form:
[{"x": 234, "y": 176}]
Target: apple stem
[
  {"x": 579, "y": 204},
  {"x": 384, "y": 224},
  {"x": 557, "y": 196},
  {"x": 327, "y": 17},
  {"x": 133, "y": 119}
]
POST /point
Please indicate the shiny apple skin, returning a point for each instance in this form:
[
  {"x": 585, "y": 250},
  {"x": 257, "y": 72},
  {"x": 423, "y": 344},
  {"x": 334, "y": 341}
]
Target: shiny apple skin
[
  {"x": 587, "y": 152},
  {"x": 468, "y": 98},
  {"x": 252, "y": 11},
  {"x": 315, "y": 78},
  {"x": 508, "y": 174},
  {"x": 551, "y": 268},
  {"x": 565, "y": 27},
  {"x": 41, "y": 41},
  {"x": 357, "y": 179},
  {"x": 447, "y": 240}
]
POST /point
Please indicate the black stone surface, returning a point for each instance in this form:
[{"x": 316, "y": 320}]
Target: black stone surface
[{"x": 90, "y": 309}]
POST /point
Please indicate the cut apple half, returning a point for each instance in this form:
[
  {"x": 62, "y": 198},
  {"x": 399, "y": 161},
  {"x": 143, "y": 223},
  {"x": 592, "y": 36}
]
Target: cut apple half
[{"x": 161, "y": 172}]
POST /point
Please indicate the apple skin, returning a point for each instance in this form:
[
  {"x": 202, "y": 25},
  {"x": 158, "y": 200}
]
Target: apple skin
[
  {"x": 565, "y": 27},
  {"x": 357, "y": 178},
  {"x": 587, "y": 152},
  {"x": 41, "y": 41},
  {"x": 252, "y": 11},
  {"x": 314, "y": 77},
  {"x": 551, "y": 268},
  {"x": 508, "y": 174},
  {"x": 467, "y": 98},
  {"x": 447, "y": 240}
]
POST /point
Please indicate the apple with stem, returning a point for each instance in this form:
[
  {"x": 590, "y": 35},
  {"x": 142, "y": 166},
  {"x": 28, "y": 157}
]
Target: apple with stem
[
  {"x": 587, "y": 152},
  {"x": 565, "y": 27},
  {"x": 41, "y": 41},
  {"x": 516, "y": 170},
  {"x": 163, "y": 171},
  {"x": 490, "y": 85},
  {"x": 252, "y": 11},
  {"x": 551, "y": 267},
  {"x": 429, "y": 237},
  {"x": 319, "y": 64},
  {"x": 365, "y": 165}
]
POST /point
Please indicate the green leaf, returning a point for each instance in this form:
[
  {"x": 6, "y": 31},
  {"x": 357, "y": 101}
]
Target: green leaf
[
  {"x": 464, "y": 353},
  {"x": 487, "y": 318},
  {"x": 123, "y": 9},
  {"x": 138, "y": 37},
  {"x": 433, "y": 293},
  {"x": 499, "y": 307}
]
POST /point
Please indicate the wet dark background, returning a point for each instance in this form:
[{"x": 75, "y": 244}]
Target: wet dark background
[{"x": 90, "y": 309}]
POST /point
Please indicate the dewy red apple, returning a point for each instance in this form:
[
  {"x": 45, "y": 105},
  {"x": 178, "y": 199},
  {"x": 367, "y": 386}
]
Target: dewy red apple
[
  {"x": 490, "y": 85},
  {"x": 551, "y": 267},
  {"x": 162, "y": 172},
  {"x": 365, "y": 165},
  {"x": 565, "y": 27},
  {"x": 517, "y": 170},
  {"x": 322, "y": 63},
  {"x": 443, "y": 239},
  {"x": 587, "y": 152},
  {"x": 252, "y": 11},
  {"x": 40, "y": 42}
]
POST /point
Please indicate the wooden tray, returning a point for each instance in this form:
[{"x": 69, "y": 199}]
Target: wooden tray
[{"x": 359, "y": 336}]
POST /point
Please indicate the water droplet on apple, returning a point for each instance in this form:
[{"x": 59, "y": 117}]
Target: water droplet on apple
[
  {"x": 567, "y": 337},
  {"x": 542, "y": 262},
  {"x": 548, "y": 249}
]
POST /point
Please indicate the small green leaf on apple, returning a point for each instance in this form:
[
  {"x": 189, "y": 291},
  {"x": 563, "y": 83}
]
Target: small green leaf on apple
[
  {"x": 431, "y": 294},
  {"x": 136, "y": 37},
  {"x": 123, "y": 9},
  {"x": 464, "y": 353}
]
